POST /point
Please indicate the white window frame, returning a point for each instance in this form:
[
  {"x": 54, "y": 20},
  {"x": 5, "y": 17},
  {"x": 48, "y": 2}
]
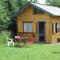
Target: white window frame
[
  {"x": 56, "y": 27},
  {"x": 27, "y": 27}
]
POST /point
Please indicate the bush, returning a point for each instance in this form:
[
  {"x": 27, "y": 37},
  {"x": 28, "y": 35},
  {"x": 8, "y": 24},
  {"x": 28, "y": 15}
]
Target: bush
[{"x": 3, "y": 36}]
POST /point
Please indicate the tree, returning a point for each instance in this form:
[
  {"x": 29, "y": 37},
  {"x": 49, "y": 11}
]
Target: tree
[
  {"x": 33, "y": 1},
  {"x": 4, "y": 15},
  {"x": 16, "y": 4},
  {"x": 53, "y": 2},
  {"x": 8, "y": 9}
]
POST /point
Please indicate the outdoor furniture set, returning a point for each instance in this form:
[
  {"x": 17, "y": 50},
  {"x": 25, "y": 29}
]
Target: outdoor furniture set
[{"x": 20, "y": 39}]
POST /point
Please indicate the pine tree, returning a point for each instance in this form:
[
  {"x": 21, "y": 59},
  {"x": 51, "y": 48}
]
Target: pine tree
[{"x": 53, "y": 2}]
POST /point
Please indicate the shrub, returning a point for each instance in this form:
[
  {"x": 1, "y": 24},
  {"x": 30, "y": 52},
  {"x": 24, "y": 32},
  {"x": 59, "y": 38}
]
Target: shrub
[{"x": 3, "y": 36}]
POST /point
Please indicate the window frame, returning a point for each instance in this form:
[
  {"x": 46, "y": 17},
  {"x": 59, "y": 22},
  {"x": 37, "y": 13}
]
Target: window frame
[
  {"x": 23, "y": 27},
  {"x": 52, "y": 28},
  {"x": 55, "y": 27}
]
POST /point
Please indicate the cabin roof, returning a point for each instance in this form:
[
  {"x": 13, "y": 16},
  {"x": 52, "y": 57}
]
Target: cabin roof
[{"x": 51, "y": 10}]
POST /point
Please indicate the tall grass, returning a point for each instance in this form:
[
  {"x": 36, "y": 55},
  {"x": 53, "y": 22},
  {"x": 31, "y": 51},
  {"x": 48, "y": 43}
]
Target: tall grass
[{"x": 3, "y": 37}]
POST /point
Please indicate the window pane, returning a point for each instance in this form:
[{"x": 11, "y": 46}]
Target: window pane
[
  {"x": 52, "y": 28},
  {"x": 25, "y": 27},
  {"x": 30, "y": 27},
  {"x": 56, "y": 27}
]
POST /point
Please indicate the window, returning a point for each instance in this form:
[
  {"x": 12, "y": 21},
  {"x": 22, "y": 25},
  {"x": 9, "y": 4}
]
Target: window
[
  {"x": 27, "y": 27},
  {"x": 58, "y": 27},
  {"x": 52, "y": 28},
  {"x": 55, "y": 27}
]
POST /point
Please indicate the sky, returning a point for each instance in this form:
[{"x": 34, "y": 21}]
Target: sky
[{"x": 41, "y": 1}]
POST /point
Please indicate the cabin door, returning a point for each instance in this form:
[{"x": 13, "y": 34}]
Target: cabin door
[{"x": 41, "y": 31}]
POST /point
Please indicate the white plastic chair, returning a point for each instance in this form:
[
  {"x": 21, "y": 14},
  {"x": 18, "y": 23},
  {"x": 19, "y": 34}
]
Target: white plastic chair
[{"x": 10, "y": 41}]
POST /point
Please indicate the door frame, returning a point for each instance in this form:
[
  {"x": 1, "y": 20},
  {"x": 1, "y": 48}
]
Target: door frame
[{"x": 38, "y": 30}]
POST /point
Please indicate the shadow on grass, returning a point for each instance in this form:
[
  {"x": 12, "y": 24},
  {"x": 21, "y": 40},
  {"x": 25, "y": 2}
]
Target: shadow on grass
[{"x": 56, "y": 52}]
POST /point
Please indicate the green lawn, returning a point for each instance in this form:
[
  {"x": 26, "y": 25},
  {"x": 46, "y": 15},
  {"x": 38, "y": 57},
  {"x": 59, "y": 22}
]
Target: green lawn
[{"x": 35, "y": 52}]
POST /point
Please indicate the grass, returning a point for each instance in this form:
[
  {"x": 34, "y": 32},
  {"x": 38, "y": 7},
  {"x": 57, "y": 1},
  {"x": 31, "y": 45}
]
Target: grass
[{"x": 35, "y": 52}]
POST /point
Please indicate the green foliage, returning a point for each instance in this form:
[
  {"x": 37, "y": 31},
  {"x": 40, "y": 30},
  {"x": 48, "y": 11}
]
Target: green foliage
[
  {"x": 8, "y": 9},
  {"x": 53, "y": 2},
  {"x": 16, "y": 4},
  {"x": 34, "y": 1},
  {"x": 4, "y": 15},
  {"x": 3, "y": 37}
]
